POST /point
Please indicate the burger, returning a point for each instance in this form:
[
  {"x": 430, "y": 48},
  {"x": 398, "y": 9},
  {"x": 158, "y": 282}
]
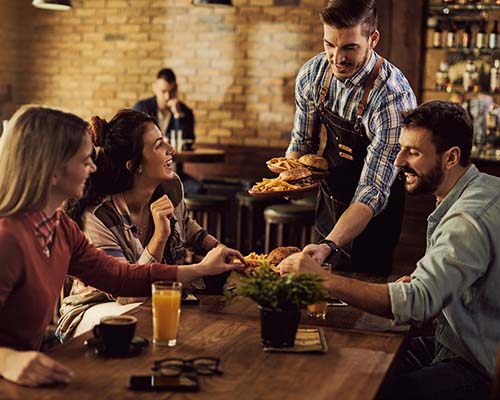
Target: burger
[
  {"x": 297, "y": 176},
  {"x": 280, "y": 253},
  {"x": 314, "y": 162}
]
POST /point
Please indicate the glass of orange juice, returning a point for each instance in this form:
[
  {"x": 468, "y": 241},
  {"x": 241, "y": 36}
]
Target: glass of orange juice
[
  {"x": 166, "y": 312},
  {"x": 318, "y": 310}
]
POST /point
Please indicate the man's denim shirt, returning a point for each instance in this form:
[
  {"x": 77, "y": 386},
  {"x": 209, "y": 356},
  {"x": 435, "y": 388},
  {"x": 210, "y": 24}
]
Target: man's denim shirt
[{"x": 458, "y": 279}]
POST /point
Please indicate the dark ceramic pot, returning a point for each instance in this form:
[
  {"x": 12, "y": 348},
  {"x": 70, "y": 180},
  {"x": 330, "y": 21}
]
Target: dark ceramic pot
[{"x": 278, "y": 328}]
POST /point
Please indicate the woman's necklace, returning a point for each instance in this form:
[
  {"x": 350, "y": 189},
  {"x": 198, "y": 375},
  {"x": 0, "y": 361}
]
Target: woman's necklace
[{"x": 141, "y": 228}]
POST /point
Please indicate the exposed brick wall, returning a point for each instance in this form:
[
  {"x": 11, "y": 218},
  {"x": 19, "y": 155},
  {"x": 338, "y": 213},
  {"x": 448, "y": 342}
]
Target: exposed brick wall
[
  {"x": 235, "y": 65},
  {"x": 9, "y": 56}
]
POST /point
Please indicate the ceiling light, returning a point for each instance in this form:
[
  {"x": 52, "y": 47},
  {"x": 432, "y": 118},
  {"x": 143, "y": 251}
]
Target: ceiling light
[
  {"x": 212, "y": 3},
  {"x": 53, "y": 4}
]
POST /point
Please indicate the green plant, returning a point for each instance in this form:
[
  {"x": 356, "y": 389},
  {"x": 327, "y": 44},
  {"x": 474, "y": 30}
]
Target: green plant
[{"x": 270, "y": 290}]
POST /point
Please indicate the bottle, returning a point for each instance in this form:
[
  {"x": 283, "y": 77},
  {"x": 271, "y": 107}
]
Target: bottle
[
  {"x": 481, "y": 36},
  {"x": 442, "y": 77},
  {"x": 451, "y": 36},
  {"x": 470, "y": 77},
  {"x": 495, "y": 77},
  {"x": 493, "y": 37},
  {"x": 466, "y": 42},
  {"x": 437, "y": 35},
  {"x": 491, "y": 121}
]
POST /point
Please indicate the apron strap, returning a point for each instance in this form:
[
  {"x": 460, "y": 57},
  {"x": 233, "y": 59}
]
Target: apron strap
[
  {"x": 368, "y": 87},
  {"x": 324, "y": 90}
]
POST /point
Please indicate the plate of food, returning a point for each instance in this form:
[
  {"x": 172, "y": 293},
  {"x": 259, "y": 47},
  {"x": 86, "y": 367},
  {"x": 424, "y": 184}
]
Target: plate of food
[
  {"x": 316, "y": 164},
  {"x": 290, "y": 182},
  {"x": 272, "y": 259}
]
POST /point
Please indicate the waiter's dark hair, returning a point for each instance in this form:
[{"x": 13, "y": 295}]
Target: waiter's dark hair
[
  {"x": 351, "y": 13},
  {"x": 448, "y": 123}
]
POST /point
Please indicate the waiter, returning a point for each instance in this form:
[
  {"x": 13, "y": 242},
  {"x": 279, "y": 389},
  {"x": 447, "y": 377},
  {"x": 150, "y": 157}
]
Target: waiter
[{"x": 356, "y": 98}]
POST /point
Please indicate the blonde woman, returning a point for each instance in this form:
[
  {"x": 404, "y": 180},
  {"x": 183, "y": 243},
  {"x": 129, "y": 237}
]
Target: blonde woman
[{"x": 45, "y": 159}]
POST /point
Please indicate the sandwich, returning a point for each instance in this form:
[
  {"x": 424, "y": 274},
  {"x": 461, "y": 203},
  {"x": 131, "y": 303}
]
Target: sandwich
[
  {"x": 314, "y": 162},
  {"x": 280, "y": 253},
  {"x": 297, "y": 176}
]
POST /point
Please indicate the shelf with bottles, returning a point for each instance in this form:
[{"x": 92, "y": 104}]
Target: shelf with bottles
[
  {"x": 467, "y": 76},
  {"x": 465, "y": 35},
  {"x": 450, "y": 9}
]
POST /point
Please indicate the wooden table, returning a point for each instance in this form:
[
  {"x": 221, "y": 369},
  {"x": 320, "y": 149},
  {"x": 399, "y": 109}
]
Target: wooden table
[
  {"x": 361, "y": 348},
  {"x": 198, "y": 155}
]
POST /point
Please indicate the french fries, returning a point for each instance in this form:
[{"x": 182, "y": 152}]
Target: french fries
[
  {"x": 255, "y": 260},
  {"x": 284, "y": 163},
  {"x": 273, "y": 185}
]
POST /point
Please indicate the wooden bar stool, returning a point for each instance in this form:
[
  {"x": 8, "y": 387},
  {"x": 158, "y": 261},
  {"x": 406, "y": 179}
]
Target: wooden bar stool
[
  {"x": 289, "y": 225},
  {"x": 210, "y": 211},
  {"x": 250, "y": 233}
]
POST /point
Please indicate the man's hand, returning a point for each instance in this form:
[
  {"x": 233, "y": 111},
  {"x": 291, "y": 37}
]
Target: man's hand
[
  {"x": 301, "y": 263},
  {"x": 32, "y": 368},
  {"x": 318, "y": 252},
  {"x": 174, "y": 106}
]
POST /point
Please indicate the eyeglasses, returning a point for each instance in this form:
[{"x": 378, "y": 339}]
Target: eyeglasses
[{"x": 176, "y": 366}]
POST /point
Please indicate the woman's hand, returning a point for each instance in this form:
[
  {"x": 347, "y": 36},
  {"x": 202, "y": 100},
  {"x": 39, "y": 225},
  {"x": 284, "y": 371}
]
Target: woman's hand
[
  {"x": 161, "y": 211},
  {"x": 32, "y": 368},
  {"x": 217, "y": 261},
  {"x": 220, "y": 259}
]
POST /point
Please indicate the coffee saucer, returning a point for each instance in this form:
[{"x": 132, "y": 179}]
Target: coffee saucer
[{"x": 97, "y": 346}]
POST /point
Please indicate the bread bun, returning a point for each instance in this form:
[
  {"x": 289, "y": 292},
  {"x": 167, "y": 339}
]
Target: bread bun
[
  {"x": 295, "y": 174},
  {"x": 314, "y": 161},
  {"x": 280, "y": 253}
]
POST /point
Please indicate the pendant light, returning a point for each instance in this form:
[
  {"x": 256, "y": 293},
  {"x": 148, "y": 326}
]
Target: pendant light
[
  {"x": 60, "y": 5},
  {"x": 212, "y": 3}
]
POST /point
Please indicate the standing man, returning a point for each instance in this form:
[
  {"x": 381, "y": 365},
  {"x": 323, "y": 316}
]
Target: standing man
[
  {"x": 170, "y": 113},
  {"x": 356, "y": 97},
  {"x": 456, "y": 281}
]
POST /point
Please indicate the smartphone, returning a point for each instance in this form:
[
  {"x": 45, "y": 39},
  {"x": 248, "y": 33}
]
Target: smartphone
[
  {"x": 152, "y": 383},
  {"x": 189, "y": 298},
  {"x": 336, "y": 303}
]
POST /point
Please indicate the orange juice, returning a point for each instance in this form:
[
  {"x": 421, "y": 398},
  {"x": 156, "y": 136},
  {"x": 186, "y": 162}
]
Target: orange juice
[
  {"x": 166, "y": 313},
  {"x": 317, "y": 310}
]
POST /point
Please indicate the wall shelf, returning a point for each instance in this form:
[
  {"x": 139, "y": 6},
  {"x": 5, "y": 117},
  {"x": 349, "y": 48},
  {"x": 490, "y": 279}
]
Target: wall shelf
[{"x": 448, "y": 9}]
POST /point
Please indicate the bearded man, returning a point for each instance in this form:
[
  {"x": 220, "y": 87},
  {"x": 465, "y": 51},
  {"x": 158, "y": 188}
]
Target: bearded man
[{"x": 456, "y": 281}]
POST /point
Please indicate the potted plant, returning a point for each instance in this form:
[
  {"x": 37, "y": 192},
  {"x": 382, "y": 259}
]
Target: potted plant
[{"x": 280, "y": 299}]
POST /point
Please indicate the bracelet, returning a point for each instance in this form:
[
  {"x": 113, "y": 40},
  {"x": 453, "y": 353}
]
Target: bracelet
[{"x": 331, "y": 244}]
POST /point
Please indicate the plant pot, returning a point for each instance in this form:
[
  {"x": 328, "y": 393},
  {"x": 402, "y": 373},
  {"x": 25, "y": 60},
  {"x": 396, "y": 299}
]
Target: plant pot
[{"x": 278, "y": 328}]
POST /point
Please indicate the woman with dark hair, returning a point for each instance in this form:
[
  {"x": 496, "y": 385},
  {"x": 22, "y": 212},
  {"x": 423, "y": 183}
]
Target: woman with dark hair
[
  {"x": 133, "y": 209},
  {"x": 40, "y": 245}
]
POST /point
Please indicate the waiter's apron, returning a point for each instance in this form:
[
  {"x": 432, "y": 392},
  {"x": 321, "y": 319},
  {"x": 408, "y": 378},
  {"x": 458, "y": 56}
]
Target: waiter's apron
[{"x": 345, "y": 151}]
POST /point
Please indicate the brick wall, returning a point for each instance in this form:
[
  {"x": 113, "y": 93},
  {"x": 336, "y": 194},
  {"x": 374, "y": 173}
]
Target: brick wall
[
  {"x": 235, "y": 65},
  {"x": 9, "y": 43}
]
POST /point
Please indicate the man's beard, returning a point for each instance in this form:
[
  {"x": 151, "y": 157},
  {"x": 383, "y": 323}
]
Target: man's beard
[{"x": 426, "y": 183}]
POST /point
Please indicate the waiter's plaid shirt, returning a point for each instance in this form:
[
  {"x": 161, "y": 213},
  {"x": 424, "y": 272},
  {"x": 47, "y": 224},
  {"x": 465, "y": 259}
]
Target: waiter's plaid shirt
[{"x": 390, "y": 95}]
